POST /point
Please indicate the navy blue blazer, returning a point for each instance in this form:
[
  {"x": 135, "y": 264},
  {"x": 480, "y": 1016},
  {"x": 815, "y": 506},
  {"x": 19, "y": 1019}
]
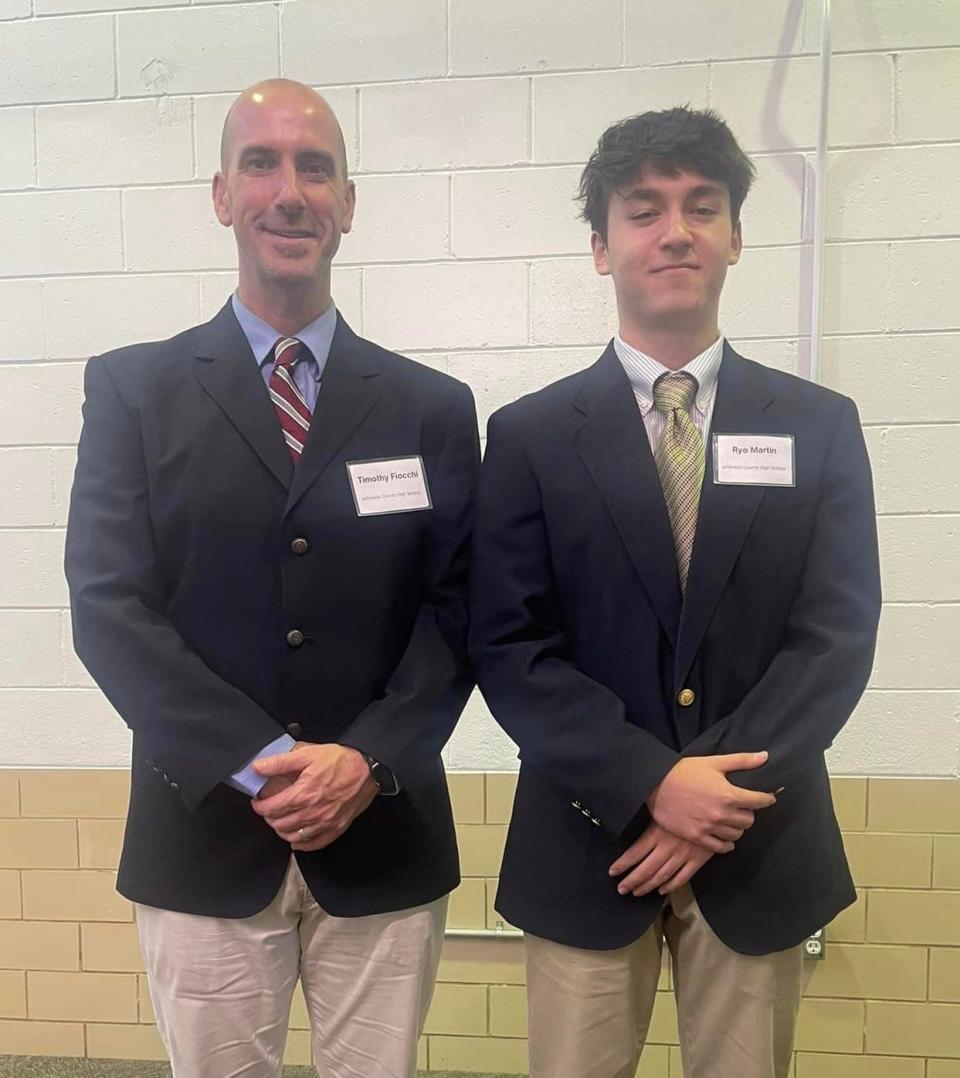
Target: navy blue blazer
[
  {"x": 583, "y": 642},
  {"x": 186, "y": 586}
]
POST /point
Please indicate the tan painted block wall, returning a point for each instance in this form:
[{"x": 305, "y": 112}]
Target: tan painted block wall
[{"x": 884, "y": 1004}]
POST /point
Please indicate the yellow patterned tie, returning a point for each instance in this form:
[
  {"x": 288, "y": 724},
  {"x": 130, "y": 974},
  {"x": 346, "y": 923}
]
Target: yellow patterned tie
[{"x": 680, "y": 461}]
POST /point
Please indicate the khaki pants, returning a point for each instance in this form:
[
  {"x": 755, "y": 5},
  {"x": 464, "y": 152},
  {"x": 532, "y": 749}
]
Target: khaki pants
[
  {"x": 590, "y": 1010},
  {"x": 221, "y": 987}
]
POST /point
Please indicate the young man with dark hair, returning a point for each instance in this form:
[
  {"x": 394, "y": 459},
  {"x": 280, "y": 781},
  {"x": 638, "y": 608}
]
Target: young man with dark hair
[{"x": 675, "y": 600}]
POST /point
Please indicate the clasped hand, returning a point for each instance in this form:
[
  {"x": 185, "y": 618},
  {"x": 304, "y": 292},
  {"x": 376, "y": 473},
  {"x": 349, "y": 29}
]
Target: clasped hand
[
  {"x": 313, "y": 793},
  {"x": 696, "y": 814}
]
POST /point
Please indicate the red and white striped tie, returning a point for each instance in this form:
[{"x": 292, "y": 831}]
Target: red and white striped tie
[{"x": 288, "y": 402}]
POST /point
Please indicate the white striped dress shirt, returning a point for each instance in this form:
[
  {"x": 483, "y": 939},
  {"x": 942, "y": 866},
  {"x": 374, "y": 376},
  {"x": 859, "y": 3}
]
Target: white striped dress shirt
[{"x": 643, "y": 371}]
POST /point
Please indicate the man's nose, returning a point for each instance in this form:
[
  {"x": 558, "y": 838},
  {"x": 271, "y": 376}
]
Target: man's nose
[
  {"x": 289, "y": 196},
  {"x": 677, "y": 231}
]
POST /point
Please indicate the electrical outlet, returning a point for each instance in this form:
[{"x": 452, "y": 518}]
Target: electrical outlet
[{"x": 815, "y": 945}]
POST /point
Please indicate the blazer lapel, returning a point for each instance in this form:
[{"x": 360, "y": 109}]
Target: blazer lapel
[
  {"x": 227, "y": 370},
  {"x": 726, "y": 512},
  {"x": 349, "y": 389},
  {"x": 614, "y": 446}
]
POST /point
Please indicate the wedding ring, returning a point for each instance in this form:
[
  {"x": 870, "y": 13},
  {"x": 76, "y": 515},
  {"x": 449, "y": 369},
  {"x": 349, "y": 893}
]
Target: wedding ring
[{"x": 300, "y": 832}]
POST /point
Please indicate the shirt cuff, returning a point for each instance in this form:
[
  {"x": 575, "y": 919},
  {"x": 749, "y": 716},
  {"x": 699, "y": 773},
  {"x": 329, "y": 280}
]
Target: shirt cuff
[{"x": 248, "y": 781}]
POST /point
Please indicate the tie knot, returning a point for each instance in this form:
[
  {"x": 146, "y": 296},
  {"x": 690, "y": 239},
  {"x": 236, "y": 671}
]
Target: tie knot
[
  {"x": 673, "y": 391},
  {"x": 286, "y": 352}
]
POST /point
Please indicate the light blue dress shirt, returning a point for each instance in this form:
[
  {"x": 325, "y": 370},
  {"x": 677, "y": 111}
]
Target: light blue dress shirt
[{"x": 317, "y": 336}]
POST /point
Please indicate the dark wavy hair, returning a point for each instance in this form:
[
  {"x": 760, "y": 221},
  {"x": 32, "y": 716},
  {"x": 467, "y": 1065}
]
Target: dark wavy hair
[{"x": 672, "y": 141}]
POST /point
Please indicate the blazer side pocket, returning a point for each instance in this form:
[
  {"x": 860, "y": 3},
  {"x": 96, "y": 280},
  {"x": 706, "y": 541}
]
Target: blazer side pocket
[
  {"x": 547, "y": 840},
  {"x": 808, "y": 851}
]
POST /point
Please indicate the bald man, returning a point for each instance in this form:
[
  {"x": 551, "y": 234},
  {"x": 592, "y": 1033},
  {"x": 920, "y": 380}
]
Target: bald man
[{"x": 266, "y": 555}]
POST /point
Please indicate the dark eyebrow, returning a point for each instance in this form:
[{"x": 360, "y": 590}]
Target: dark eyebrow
[
  {"x": 652, "y": 194},
  {"x": 706, "y": 190}
]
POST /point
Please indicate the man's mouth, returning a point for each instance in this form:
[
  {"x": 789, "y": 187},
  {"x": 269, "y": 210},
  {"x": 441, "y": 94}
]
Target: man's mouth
[
  {"x": 676, "y": 266},
  {"x": 289, "y": 233}
]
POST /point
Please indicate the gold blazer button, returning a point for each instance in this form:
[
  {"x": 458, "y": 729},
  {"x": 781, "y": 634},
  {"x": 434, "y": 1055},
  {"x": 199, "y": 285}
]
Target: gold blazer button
[{"x": 685, "y": 697}]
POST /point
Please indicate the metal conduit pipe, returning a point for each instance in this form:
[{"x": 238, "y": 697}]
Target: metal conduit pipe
[
  {"x": 483, "y": 934},
  {"x": 814, "y": 372}
]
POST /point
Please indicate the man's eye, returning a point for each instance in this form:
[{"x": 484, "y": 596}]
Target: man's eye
[
  {"x": 642, "y": 215},
  {"x": 706, "y": 211},
  {"x": 315, "y": 168},
  {"x": 257, "y": 164}
]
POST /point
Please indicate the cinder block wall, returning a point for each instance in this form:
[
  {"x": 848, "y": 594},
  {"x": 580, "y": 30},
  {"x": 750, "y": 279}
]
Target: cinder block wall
[{"x": 466, "y": 124}]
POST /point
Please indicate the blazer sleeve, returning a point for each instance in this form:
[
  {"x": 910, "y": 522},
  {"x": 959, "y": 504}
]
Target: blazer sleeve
[
  {"x": 407, "y": 726},
  {"x": 187, "y": 720},
  {"x": 816, "y": 678},
  {"x": 569, "y": 727}
]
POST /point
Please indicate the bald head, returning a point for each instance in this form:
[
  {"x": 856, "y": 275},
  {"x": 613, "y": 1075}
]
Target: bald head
[{"x": 278, "y": 95}]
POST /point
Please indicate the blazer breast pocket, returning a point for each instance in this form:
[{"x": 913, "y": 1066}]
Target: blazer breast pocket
[{"x": 786, "y": 500}]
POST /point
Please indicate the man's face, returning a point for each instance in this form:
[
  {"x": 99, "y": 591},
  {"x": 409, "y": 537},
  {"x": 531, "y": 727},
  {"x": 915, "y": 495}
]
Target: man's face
[
  {"x": 669, "y": 242},
  {"x": 283, "y": 189}
]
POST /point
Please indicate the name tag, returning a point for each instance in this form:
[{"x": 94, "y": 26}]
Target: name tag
[
  {"x": 394, "y": 485},
  {"x": 757, "y": 460}
]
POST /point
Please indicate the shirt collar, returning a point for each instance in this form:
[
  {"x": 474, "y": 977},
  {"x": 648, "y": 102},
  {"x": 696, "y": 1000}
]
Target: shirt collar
[
  {"x": 644, "y": 370},
  {"x": 317, "y": 336}
]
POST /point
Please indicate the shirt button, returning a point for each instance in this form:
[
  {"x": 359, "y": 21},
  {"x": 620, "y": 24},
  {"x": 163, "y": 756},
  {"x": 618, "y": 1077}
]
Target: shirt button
[
  {"x": 685, "y": 697},
  {"x": 294, "y": 638},
  {"x": 299, "y": 546},
  {"x": 175, "y": 787},
  {"x": 294, "y": 729}
]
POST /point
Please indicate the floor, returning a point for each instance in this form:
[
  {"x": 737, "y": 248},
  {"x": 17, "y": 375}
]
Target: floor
[{"x": 57, "y": 1067}]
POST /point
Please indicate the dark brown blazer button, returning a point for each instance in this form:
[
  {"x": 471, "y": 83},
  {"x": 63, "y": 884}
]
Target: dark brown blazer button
[
  {"x": 294, "y": 729},
  {"x": 299, "y": 546},
  {"x": 294, "y": 638},
  {"x": 685, "y": 697}
]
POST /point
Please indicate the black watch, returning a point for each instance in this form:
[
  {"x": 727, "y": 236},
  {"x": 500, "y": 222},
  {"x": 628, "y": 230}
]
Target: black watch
[{"x": 380, "y": 774}]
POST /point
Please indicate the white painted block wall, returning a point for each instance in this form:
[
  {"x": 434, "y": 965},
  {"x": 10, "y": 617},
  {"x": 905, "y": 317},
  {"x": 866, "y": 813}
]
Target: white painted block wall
[{"x": 466, "y": 125}]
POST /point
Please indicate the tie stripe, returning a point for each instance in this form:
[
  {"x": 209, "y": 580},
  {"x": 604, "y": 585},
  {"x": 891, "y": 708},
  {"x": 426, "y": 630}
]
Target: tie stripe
[
  {"x": 680, "y": 461},
  {"x": 286, "y": 375},
  {"x": 292, "y": 410},
  {"x": 295, "y": 447},
  {"x": 289, "y": 410}
]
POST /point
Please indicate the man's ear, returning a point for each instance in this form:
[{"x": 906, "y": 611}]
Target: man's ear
[
  {"x": 736, "y": 245},
  {"x": 350, "y": 206},
  {"x": 599, "y": 248},
  {"x": 221, "y": 200}
]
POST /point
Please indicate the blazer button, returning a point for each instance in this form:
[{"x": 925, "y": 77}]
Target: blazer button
[
  {"x": 294, "y": 638},
  {"x": 299, "y": 546},
  {"x": 685, "y": 697},
  {"x": 175, "y": 787},
  {"x": 294, "y": 729}
]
